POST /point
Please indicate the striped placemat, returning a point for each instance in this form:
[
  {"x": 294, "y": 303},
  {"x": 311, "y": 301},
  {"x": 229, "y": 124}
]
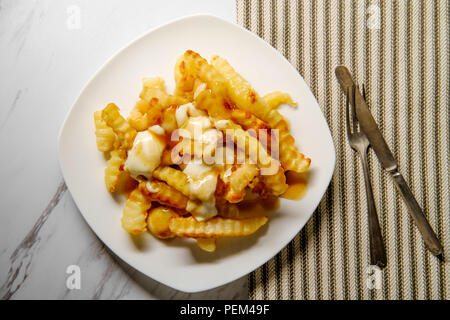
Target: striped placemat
[{"x": 400, "y": 50}]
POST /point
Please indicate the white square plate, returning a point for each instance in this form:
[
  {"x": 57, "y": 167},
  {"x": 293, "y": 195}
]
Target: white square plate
[{"x": 179, "y": 263}]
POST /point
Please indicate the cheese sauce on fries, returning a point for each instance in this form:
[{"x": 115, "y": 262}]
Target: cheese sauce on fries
[{"x": 200, "y": 169}]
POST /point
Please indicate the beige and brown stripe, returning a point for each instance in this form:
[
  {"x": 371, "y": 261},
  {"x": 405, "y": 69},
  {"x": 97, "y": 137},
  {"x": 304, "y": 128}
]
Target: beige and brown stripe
[{"x": 400, "y": 50}]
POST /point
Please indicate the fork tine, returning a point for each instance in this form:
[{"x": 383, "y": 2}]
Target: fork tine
[
  {"x": 347, "y": 107},
  {"x": 354, "y": 120}
]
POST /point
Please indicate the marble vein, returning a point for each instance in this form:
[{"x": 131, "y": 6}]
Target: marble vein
[
  {"x": 23, "y": 31},
  {"x": 111, "y": 273},
  {"x": 22, "y": 257},
  {"x": 11, "y": 109}
]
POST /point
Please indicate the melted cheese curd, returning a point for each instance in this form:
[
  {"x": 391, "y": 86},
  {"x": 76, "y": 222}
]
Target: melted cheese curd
[
  {"x": 198, "y": 134},
  {"x": 200, "y": 137},
  {"x": 145, "y": 155}
]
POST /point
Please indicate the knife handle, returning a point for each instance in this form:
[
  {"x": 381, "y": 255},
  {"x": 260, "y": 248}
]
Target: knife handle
[{"x": 428, "y": 235}]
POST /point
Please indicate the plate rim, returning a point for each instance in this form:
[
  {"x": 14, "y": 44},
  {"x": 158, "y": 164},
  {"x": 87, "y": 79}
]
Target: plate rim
[{"x": 125, "y": 47}]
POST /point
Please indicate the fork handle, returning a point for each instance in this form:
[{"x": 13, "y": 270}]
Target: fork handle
[{"x": 377, "y": 251}]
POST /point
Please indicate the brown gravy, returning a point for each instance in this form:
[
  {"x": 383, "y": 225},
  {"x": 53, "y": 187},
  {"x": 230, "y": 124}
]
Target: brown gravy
[
  {"x": 262, "y": 207},
  {"x": 298, "y": 185}
]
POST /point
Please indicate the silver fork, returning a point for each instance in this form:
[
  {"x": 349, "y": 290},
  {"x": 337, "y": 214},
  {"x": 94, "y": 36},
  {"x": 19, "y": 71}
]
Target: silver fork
[{"x": 359, "y": 143}]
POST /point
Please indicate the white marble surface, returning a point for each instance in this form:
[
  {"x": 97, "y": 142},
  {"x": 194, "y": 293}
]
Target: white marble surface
[{"x": 46, "y": 58}]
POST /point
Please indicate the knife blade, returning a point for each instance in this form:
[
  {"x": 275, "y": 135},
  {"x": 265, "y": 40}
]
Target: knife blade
[{"x": 387, "y": 161}]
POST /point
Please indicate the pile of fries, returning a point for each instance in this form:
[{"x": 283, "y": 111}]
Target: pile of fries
[{"x": 181, "y": 192}]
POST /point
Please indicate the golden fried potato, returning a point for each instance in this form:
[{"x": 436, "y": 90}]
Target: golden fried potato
[
  {"x": 215, "y": 227},
  {"x": 246, "y": 98},
  {"x": 138, "y": 117},
  {"x": 105, "y": 135},
  {"x": 121, "y": 127},
  {"x": 114, "y": 166},
  {"x": 238, "y": 180},
  {"x": 135, "y": 212},
  {"x": 184, "y": 79},
  {"x": 158, "y": 222},
  {"x": 218, "y": 107},
  {"x": 174, "y": 178},
  {"x": 155, "y": 89},
  {"x": 164, "y": 194},
  {"x": 254, "y": 150},
  {"x": 276, "y": 183},
  {"x": 290, "y": 158},
  {"x": 277, "y": 98},
  {"x": 169, "y": 120}
]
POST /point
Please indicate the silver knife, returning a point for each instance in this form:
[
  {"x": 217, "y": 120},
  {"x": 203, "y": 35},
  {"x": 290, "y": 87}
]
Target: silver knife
[{"x": 386, "y": 158}]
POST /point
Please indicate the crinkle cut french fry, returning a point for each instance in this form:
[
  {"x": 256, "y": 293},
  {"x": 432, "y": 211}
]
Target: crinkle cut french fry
[
  {"x": 154, "y": 88},
  {"x": 217, "y": 107},
  {"x": 114, "y": 166},
  {"x": 164, "y": 194},
  {"x": 158, "y": 222},
  {"x": 275, "y": 183},
  {"x": 135, "y": 212},
  {"x": 216, "y": 227},
  {"x": 169, "y": 120},
  {"x": 105, "y": 135},
  {"x": 290, "y": 158},
  {"x": 238, "y": 181},
  {"x": 174, "y": 178},
  {"x": 254, "y": 150},
  {"x": 213, "y": 104},
  {"x": 277, "y": 98},
  {"x": 245, "y": 97},
  {"x": 138, "y": 117},
  {"x": 154, "y": 100},
  {"x": 247, "y": 120},
  {"x": 198, "y": 66},
  {"x": 259, "y": 187},
  {"x": 121, "y": 127},
  {"x": 214, "y": 100},
  {"x": 184, "y": 80}
]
